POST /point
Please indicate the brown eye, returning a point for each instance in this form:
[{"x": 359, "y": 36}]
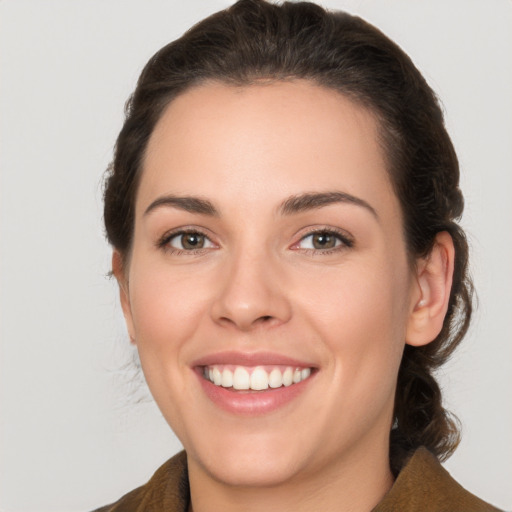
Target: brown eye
[
  {"x": 192, "y": 241},
  {"x": 323, "y": 241},
  {"x": 189, "y": 241}
]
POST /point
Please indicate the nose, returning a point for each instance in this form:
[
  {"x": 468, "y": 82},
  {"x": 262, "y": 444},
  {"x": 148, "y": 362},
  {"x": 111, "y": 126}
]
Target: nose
[{"x": 252, "y": 294}]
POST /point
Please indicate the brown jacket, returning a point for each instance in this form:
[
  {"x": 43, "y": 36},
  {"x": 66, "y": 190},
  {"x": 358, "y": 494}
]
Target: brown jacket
[{"x": 423, "y": 485}]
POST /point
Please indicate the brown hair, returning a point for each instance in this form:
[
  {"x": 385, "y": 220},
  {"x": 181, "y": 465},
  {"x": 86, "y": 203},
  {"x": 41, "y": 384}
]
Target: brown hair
[{"x": 255, "y": 40}]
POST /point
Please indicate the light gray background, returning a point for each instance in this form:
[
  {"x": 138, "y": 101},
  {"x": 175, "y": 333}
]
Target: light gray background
[{"x": 71, "y": 436}]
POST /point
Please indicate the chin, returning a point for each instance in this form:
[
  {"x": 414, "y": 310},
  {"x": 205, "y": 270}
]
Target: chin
[
  {"x": 250, "y": 461},
  {"x": 253, "y": 470}
]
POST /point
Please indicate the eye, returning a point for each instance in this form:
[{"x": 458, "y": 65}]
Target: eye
[
  {"x": 187, "y": 241},
  {"x": 324, "y": 240}
]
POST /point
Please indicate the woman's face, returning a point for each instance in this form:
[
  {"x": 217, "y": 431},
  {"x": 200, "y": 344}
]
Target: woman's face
[{"x": 268, "y": 246}]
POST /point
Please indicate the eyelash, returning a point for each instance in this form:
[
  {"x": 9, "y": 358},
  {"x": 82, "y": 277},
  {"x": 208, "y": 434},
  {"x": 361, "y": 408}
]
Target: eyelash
[
  {"x": 164, "y": 242},
  {"x": 346, "y": 241}
]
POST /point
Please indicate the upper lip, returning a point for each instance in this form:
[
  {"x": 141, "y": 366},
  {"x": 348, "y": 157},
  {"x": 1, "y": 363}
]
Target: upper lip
[{"x": 250, "y": 359}]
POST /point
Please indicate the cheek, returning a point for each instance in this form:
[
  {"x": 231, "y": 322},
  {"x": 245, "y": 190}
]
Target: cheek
[
  {"x": 166, "y": 307},
  {"x": 361, "y": 314},
  {"x": 357, "y": 298},
  {"x": 362, "y": 327}
]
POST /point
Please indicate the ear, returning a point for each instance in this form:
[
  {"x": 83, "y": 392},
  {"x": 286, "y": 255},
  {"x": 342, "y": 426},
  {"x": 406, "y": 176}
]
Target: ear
[
  {"x": 431, "y": 296},
  {"x": 122, "y": 280}
]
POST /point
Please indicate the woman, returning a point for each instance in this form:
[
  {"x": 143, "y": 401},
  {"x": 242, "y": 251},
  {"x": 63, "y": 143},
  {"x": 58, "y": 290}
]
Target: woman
[{"x": 282, "y": 206}]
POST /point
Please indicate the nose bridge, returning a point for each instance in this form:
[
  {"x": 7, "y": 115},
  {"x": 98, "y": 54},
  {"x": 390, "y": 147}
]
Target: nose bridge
[{"x": 252, "y": 291}]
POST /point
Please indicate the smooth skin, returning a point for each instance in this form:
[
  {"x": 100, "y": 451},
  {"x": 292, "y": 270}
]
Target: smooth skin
[{"x": 330, "y": 284}]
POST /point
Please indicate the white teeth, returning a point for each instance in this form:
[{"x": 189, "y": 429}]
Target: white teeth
[
  {"x": 227, "y": 378},
  {"x": 257, "y": 378},
  {"x": 305, "y": 373},
  {"x": 241, "y": 379},
  {"x": 217, "y": 377},
  {"x": 275, "y": 379},
  {"x": 287, "y": 377}
]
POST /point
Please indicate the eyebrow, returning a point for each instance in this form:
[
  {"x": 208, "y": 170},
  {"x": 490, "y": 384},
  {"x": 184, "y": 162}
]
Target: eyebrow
[
  {"x": 186, "y": 203},
  {"x": 311, "y": 201},
  {"x": 295, "y": 204}
]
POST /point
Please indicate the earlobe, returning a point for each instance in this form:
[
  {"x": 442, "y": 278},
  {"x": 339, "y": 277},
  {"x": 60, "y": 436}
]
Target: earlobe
[
  {"x": 119, "y": 273},
  {"x": 431, "y": 298}
]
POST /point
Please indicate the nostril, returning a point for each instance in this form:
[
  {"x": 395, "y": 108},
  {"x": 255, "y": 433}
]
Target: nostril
[{"x": 264, "y": 320}]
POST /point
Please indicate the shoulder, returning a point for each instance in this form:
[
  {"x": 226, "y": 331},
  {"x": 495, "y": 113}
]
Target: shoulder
[
  {"x": 166, "y": 490},
  {"x": 423, "y": 484}
]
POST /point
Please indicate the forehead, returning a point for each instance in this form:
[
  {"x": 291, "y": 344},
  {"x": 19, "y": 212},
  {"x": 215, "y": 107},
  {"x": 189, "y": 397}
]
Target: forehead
[{"x": 272, "y": 139}]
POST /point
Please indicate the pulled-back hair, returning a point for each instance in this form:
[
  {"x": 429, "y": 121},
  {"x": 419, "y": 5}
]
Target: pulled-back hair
[{"x": 254, "y": 40}]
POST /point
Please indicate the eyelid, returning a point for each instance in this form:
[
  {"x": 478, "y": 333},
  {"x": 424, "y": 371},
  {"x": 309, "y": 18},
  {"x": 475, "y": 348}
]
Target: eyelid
[
  {"x": 163, "y": 241},
  {"x": 347, "y": 240}
]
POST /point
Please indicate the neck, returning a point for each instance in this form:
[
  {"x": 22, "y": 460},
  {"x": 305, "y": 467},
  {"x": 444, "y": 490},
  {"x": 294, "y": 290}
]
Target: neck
[{"x": 354, "y": 483}]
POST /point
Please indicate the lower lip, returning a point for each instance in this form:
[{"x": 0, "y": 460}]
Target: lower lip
[{"x": 252, "y": 402}]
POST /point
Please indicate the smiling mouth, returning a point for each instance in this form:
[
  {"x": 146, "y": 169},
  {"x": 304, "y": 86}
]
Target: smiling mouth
[{"x": 254, "y": 378}]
